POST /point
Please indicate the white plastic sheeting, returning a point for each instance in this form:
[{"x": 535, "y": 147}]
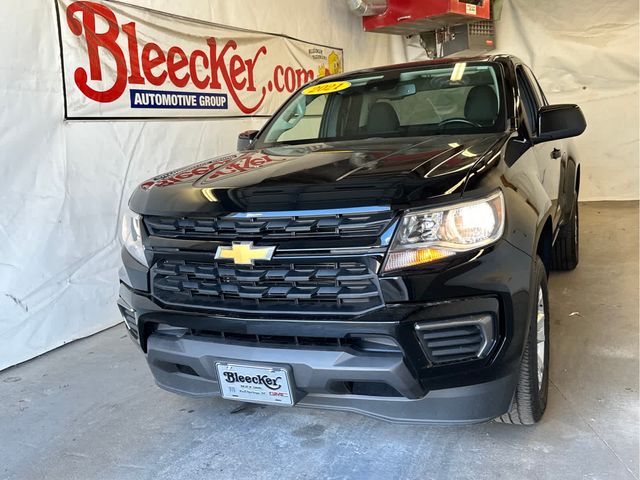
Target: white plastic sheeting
[
  {"x": 586, "y": 52},
  {"x": 63, "y": 185}
]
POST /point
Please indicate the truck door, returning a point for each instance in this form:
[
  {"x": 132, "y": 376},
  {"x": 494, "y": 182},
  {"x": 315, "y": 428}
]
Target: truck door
[{"x": 550, "y": 156}]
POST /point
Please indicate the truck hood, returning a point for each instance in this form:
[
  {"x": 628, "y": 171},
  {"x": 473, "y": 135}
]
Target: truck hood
[{"x": 389, "y": 172}]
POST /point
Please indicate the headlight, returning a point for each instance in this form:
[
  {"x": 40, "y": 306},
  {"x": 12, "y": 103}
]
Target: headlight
[
  {"x": 132, "y": 237},
  {"x": 427, "y": 235}
]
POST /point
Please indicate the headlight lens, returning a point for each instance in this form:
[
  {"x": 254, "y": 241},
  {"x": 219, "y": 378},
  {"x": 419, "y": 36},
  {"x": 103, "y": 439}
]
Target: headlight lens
[
  {"x": 427, "y": 235},
  {"x": 132, "y": 236}
]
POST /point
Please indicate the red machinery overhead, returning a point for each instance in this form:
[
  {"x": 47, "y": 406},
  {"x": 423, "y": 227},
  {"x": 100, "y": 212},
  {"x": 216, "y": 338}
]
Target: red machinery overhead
[{"x": 410, "y": 17}]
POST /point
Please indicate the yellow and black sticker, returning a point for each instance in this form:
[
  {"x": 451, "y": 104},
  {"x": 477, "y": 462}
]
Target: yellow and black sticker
[{"x": 323, "y": 88}]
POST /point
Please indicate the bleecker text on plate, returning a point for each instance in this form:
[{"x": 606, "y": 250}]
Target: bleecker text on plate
[{"x": 270, "y": 383}]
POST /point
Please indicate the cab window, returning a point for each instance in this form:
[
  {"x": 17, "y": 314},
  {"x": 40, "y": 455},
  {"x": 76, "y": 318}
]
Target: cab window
[
  {"x": 527, "y": 102},
  {"x": 541, "y": 100}
]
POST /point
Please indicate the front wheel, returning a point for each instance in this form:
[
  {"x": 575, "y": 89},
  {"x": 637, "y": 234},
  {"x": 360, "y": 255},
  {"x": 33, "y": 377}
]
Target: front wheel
[{"x": 530, "y": 398}]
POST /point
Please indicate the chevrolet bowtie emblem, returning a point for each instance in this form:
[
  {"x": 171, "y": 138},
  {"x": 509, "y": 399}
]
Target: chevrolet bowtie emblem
[{"x": 244, "y": 253}]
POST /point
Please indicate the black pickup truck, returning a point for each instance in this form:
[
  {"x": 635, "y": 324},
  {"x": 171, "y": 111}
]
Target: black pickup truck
[{"x": 381, "y": 246}]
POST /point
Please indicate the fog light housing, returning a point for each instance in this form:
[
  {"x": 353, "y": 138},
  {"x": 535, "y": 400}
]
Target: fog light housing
[
  {"x": 458, "y": 339},
  {"x": 130, "y": 321}
]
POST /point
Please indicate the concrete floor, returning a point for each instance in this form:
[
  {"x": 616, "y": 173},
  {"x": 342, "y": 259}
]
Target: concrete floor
[{"x": 91, "y": 410}]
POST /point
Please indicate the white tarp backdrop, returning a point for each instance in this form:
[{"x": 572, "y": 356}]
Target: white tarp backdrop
[
  {"x": 586, "y": 52},
  {"x": 63, "y": 184}
]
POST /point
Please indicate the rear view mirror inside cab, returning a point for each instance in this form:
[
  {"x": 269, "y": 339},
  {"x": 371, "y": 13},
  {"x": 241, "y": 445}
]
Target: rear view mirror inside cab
[{"x": 402, "y": 90}]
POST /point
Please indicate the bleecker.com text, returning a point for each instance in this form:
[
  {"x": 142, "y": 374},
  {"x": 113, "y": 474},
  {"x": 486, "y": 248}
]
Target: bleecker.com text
[{"x": 215, "y": 67}]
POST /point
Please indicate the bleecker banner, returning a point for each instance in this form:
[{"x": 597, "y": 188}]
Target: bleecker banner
[{"x": 123, "y": 61}]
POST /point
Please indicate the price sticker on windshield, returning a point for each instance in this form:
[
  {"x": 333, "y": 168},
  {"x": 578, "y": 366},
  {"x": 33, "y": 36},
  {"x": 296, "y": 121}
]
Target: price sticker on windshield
[{"x": 323, "y": 88}]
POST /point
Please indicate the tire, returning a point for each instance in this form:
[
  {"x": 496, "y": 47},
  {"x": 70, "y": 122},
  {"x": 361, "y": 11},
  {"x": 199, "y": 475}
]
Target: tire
[
  {"x": 530, "y": 398},
  {"x": 567, "y": 247}
]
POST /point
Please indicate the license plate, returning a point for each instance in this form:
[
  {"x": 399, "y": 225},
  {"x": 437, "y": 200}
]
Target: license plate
[{"x": 254, "y": 384}]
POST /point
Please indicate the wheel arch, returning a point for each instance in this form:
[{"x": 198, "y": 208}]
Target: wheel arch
[
  {"x": 544, "y": 243},
  {"x": 570, "y": 189}
]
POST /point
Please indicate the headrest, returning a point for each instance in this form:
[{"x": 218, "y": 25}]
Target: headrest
[
  {"x": 382, "y": 118},
  {"x": 482, "y": 105}
]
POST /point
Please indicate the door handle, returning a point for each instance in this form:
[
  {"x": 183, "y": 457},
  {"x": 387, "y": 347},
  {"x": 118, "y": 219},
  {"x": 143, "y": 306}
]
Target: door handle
[{"x": 556, "y": 153}]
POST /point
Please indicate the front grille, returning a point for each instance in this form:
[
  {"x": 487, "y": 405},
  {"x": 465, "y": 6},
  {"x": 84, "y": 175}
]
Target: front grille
[
  {"x": 299, "y": 287},
  {"x": 458, "y": 340},
  {"x": 272, "y": 225},
  {"x": 361, "y": 343},
  {"x": 271, "y": 340}
]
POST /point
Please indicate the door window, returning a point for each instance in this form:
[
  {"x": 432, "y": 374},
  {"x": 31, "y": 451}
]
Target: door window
[
  {"x": 527, "y": 102},
  {"x": 537, "y": 91}
]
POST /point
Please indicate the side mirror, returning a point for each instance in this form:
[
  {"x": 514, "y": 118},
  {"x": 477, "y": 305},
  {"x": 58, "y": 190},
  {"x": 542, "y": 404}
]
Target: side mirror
[
  {"x": 560, "y": 121},
  {"x": 245, "y": 139}
]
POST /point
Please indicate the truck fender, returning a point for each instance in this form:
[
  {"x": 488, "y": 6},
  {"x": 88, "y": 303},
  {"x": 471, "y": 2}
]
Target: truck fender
[{"x": 569, "y": 190}]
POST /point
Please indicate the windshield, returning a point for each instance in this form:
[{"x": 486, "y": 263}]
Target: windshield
[{"x": 455, "y": 98}]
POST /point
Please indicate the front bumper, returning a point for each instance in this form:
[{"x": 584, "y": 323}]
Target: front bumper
[
  {"x": 312, "y": 371},
  {"x": 183, "y": 360}
]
